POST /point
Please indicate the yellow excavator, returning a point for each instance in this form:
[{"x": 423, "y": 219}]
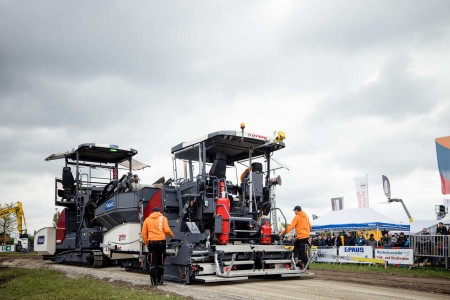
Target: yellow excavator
[{"x": 17, "y": 209}]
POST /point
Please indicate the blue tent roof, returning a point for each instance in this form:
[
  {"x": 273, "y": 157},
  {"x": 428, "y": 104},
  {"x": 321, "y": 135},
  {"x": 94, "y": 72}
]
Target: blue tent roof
[{"x": 356, "y": 219}]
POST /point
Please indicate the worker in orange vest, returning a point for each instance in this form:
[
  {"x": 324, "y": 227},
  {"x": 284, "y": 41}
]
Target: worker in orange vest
[
  {"x": 154, "y": 233},
  {"x": 302, "y": 227}
]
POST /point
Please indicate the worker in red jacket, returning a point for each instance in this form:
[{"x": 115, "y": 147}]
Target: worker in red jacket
[
  {"x": 154, "y": 233},
  {"x": 302, "y": 227}
]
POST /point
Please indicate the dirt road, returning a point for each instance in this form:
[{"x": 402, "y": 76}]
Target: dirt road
[{"x": 322, "y": 286}]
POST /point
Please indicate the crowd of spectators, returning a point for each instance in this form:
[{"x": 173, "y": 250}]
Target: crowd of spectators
[
  {"x": 394, "y": 240},
  {"x": 431, "y": 249},
  {"x": 358, "y": 238},
  {"x": 348, "y": 239},
  {"x": 426, "y": 250}
]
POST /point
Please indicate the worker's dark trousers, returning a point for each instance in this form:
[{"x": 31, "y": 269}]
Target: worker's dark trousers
[
  {"x": 300, "y": 249},
  {"x": 156, "y": 256}
]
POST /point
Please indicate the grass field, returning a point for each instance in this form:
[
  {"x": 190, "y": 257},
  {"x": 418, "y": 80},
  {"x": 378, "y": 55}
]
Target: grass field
[
  {"x": 393, "y": 270},
  {"x": 49, "y": 284}
]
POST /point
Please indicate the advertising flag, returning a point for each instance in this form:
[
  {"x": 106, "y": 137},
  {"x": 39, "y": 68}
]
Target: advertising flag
[
  {"x": 362, "y": 191},
  {"x": 337, "y": 203},
  {"x": 443, "y": 159},
  {"x": 386, "y": 186}
]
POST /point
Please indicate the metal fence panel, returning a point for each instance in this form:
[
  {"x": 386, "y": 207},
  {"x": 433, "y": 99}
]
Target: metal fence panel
[{"x": 431, "y": 246}]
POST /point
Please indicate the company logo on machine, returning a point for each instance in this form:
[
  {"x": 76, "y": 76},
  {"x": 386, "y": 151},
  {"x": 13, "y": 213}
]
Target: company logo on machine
[
  {"x": 109, "y": 204},
  {"x": 41, "y": 240},
  {"x": 257, "y": 136},
  {"x": 122, "y": 237}
]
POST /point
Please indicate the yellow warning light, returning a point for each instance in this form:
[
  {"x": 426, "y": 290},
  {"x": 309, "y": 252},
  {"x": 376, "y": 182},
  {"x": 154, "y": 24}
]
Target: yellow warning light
[{"x": 280, "y": 136}]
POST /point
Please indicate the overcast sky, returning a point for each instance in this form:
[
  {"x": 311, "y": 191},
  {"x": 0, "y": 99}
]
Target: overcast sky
[{"x": 359, "y": 87}]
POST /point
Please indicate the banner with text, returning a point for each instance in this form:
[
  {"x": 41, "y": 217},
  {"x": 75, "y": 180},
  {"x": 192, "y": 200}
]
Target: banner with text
[
  {"x": 362, "y": 191},
  {"x": 396, "y": 256},
  {"x": 325, "y": 251},
  {"x": 358, "y": 251}
]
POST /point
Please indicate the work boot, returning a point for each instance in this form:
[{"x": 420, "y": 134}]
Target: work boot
[{"x": 153, "y": 282}]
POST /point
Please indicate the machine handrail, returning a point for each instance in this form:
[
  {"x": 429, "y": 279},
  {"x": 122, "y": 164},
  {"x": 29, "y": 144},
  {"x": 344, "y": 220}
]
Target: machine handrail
[{"x": 285, "y": 220}]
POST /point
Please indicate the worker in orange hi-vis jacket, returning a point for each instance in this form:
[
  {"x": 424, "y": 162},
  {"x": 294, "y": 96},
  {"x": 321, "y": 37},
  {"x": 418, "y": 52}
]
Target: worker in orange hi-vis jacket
[
  {"x": 302, "y": 227},
  {"x": 154, "y": 233}
]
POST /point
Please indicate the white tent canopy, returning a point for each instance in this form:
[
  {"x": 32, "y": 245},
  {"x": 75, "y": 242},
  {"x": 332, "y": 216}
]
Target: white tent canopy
[
  {"x": 418, "y": 225},
  {"x": 356, "y": 219}
]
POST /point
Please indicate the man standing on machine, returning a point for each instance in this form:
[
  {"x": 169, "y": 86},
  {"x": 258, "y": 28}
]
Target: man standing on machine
[
  {"x": 302, "y": 227},
  {"x": 154, "y": 233}
]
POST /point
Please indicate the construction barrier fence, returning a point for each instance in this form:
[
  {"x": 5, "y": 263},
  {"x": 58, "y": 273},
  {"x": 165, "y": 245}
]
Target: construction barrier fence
[
  {"x": 424, "y": 249},
  {"x": 431, "y": 248}
]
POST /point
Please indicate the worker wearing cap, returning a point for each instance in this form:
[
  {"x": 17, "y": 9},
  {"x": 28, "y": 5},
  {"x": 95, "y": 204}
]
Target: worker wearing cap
[
  {"x": 154, "y": 233},
  {"x": 302, "y": 227}
]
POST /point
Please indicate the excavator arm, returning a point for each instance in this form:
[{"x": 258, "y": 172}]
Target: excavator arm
[{"x": 18, "y": 210}]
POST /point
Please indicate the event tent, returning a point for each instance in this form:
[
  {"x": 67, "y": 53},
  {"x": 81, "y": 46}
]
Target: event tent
[
  {"x": 418, "y": 225},
  {"x": 356, "y": 219}
]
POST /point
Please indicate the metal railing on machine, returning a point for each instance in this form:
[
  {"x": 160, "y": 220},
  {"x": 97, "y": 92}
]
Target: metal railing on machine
[{"x": 434, "y": 248}]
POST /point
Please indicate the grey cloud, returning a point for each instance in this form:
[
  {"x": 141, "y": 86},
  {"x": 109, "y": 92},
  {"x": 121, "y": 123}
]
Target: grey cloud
[
  {"x": 150, "y": 42},
  {"x": 396, "y": 93},
  {"x": 397, "y": 154},
  {"x": 149, "y": 75},
  {"x": 385, "y": 125},
  {"x": 356, "y": 26},
  {"x": 185, "y": 48}
]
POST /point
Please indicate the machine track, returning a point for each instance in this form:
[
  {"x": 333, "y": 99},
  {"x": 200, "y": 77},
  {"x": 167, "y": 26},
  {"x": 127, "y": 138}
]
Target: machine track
[
  {"x": 86, "y": 258},
  {"x": 97, "y": 256}
]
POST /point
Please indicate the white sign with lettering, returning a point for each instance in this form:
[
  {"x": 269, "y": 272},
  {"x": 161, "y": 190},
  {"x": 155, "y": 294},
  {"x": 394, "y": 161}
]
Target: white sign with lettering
[
  {"x": 325, "y": 254},
  {"x": 396, "y": 256},
  {"x": 358, "y": 251}
]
